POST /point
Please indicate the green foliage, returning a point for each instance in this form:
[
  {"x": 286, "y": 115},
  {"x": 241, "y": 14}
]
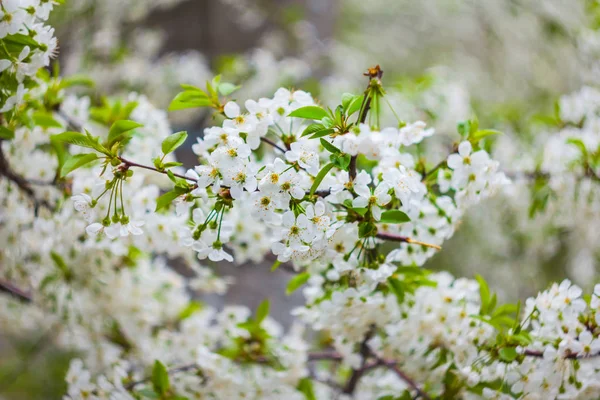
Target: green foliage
[
  {"x": 45, "y": 120},
  {"x": 160, "y": 379},
  {"x": 194, "y": 97},
  {"x": 120, "y": 130},
  {"x": 320, "y": 176},
  {"x": 309, "y": 112},
  {"x": 76, "y": 161},
  {"x": 6, "y": 133},
  {"x": 262, "y": 311},
  {"x": 394, "y": 217},
  {"x": 296, "y": 282},
  {"x": 166, "y": 199},
  {"x": 305, "y": 386},
  {"x": 172, "y": 142}
]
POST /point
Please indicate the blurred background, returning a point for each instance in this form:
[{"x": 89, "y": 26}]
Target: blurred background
[{"x": 506, "y": 61}]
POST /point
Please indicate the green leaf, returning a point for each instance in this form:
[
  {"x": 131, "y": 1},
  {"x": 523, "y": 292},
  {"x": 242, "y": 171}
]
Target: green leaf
[
  {"x": 226, "y": 88},
  {"x": 579, "y": 144},
  {"x": 342, "y": 161},
  {"x": 45, "y": 120},
  {"x": 354, "y": 106},
  {"x": 76, "y": 80},
  {"x": 484, "y": 293},
  {"x": 120, "y": 129},
  {"x": 312, "y": 128},
  {"x": 60, "y": 264},
  {"x": 347, "y": 99},
  {"x": 320, "y": 176},
  {"x": 366, "y": 229},
  {"x": 305, "y": 386},
  {"x": 76, "y": 161},
  {"x": 397, "y": 288},
  {"x": 329, "y": 147},
  {"x": 323, "y": 132},
  {"x": 394, "y": 217},
  {"x": 79, "y": 139},
  {"x": 148, "y": 393},
  {"x": 508, "y": 354},
  {"x": 172, "y": 142},
  {"x": 192, "y": 307},
  {"x": 481, "y": 134},
  {"x": 191, "y": 98},
  {"x": 160, "y": 378},
  {"x": 262, "y": 311},
  {"x": 166, "y": 199},
  {"x": 275, "y": 265},
  {"x": 296, "y": 282},
  {"x": 171, "y": 164},
  {"x": 464, "y": 128},
  {"x": 309, "y": 112},
  {"x": 59, "y": 149},
  {"x": 6, "y": 133}
]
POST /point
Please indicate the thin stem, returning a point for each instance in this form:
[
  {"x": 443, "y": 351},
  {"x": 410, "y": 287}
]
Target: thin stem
[
  {"x": 134, "y": 164},
  {"x": 404, "y": 239},
  {"x": 122, "y": 203},
  {"x": 438, "y": 166},
  {"x": 272, "y": 143},
  {"x": 393, "y": 366},
  {"x": 18, "y": 293}
]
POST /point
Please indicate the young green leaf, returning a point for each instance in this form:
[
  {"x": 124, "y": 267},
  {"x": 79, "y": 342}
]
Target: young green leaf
[
  {"x": 309, "y": 112},
  {"x": 262, "y": 311},
  {"x": 172, "y": 142},
  {"x": 397, "y": 288},
  {"x": 6, "y": 133},
  {"x": 76, "y": 161},
  {"x": 323, "y": 132},
  {"x": 481, "y": 134},
  {"x": 508, "y": 354},
  {"x": 172, "y": 164},
  {"x": 275, "y": 265},
  {"x": 355, "y": 105},
  {"x": 484, "y": 293},
  {"x": 120, "y": 129},
  {"x": 394, "y": 217},
  {"x": 45, "y": 120},
  {"x": 329, "y": 147},
  {"x": 320, "y": 177},
  {"x": 160, "y": 378},
  {"x": 296, "y": 282},
  {"x": 312, "y": 128},
  {"x": 164, "y": 200},
  {"x": 342, "y": 161},
  {"x": 191, "y": 98},
  {"x": 226, "y": 88},
  {"x": 305, "y": 386}
]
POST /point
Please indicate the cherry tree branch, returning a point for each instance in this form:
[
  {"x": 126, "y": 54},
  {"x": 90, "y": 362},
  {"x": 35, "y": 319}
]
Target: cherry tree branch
[
  {"x": 18, "y": 293},
  {"x": 22, "y": 183},
  {"x": 273, "y": 144},
  {"x": 404, "y": 239}
]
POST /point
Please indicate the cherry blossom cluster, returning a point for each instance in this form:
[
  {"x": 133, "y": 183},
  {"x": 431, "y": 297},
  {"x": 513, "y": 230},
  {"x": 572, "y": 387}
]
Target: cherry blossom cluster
[
  {"x": 26, "y": 45},
  {"x": 95, "y": 207}
]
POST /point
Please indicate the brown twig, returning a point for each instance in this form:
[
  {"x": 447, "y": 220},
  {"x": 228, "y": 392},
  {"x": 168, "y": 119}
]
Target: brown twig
[
  {"x": 22, "y": 183},
  {"x": 404, "y": 239},
  {"x": 273, "y": 144},
  {"x": 20, "y": 294}
]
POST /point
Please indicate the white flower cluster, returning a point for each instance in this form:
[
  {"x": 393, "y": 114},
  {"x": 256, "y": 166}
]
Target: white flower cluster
[{"x": 26, "y": 45}]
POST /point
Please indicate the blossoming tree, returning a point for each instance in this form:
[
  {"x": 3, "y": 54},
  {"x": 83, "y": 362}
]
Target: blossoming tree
[{"x": 94, "y": 206}]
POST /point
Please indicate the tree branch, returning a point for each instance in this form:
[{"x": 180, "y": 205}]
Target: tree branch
[
  {"x": 404, "y": 239},
  {"x": 273, "y": 144},
  {"x": 23, "y": 184},
  {"x": 18, "y": 293}
]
